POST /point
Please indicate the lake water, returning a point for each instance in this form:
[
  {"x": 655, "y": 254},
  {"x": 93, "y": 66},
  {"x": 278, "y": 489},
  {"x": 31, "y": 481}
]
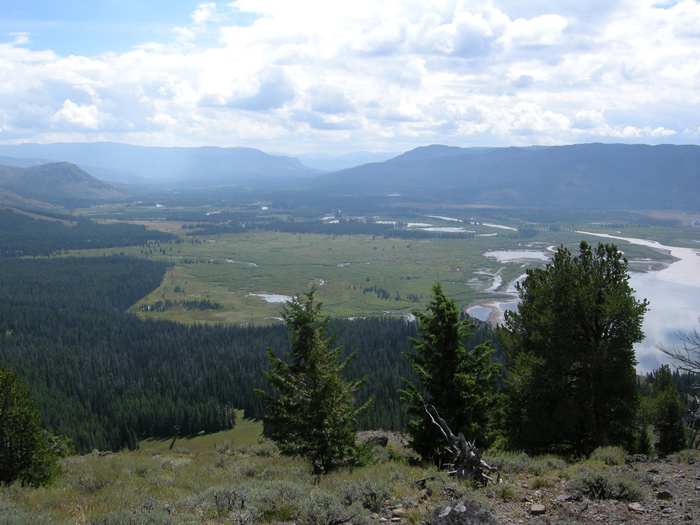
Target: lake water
[
  {"x": 674, "y": 300},
  {"x": 272, "y": 298},
  {"x": 508, "y": 256},
  {"x": 673, "y": 294}
]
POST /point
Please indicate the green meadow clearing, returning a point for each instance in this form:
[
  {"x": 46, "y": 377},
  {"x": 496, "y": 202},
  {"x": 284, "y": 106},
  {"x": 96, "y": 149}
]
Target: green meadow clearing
[
  {"x": 246, "y": 433},
  {"x": 356, "y": 275}
]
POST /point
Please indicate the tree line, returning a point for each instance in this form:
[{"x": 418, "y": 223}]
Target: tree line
[{"x": 22, "y": 236}]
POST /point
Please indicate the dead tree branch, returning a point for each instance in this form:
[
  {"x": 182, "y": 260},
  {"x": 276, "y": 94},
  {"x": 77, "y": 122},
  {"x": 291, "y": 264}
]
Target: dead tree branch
[{"x": 468, "y": 462}]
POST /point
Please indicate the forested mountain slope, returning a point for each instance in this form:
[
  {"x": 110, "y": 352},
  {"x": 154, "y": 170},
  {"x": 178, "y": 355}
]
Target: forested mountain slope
[
  {"x": 578, "y": 176},
  {"x": 59, "y": 183}
]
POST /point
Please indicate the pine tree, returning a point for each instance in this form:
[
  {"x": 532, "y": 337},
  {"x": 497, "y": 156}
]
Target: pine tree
[
  {"x": 28, "y": 454},
  {"x": 571, "y": 359},
  {"x": 456, "y": 382},
  {"x": 313, "y": 415},
  {"x": 668, "y": 417}
]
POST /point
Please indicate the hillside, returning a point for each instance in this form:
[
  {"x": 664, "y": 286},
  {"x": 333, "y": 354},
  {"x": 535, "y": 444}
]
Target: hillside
[
  {"x": 578, "y": 176},
  {"x": 204, "y": 166},
  {"x": 236, "y": 482},
  {"x": 58, "y": 183}
]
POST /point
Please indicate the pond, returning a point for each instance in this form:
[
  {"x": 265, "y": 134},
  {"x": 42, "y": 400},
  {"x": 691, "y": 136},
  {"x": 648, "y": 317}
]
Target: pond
[
  {"x": 271, "y": 297},
  {"x": 508, "y": 256}
]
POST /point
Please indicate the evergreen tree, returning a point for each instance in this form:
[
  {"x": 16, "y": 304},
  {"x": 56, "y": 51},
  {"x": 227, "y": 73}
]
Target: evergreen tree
[
  {"x": 571, "y": 361},
  {"x": 668, "y": 417},
  {"x": 314, "y": 414},
  {"x": 28, "y": 454},
  {"x": 456, "y": 382}
]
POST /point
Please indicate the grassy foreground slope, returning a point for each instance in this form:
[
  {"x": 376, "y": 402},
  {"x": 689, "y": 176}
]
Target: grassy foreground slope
[{"x": 253, "y": 485}]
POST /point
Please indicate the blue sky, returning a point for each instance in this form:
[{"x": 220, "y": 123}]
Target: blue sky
[{"x": 314, "y": 76}]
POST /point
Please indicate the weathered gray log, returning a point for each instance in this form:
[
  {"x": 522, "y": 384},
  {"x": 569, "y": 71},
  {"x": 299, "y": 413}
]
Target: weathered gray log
[{"x": 468, "y": 460}]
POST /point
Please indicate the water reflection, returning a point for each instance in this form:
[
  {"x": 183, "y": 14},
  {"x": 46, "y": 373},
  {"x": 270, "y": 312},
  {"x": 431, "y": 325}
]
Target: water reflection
[{"x": 673, "y": 294}]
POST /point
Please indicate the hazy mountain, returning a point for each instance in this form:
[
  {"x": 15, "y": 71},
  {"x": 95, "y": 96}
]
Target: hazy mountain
[
  {"x": 340, "y": 162},
  {"x": 583, "y": 175},
  {"x": 204, "y": 166},
  {"x": 12, "y": 162},
  {"x": 59, "y": 183}
]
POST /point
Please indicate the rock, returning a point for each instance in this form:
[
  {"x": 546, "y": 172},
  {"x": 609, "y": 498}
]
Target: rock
[
  {"x": 664, "y": 495},
  {"x": 461, "y": 512},
  {"x": 636, "y": 458},
  {"x": 635, "y": 507},
  {"x": 537, "y": 509},
  {"x": 561, "y": 498},
  {"x": 398, "y": 513},
  {"x": 381, "y": 441}
]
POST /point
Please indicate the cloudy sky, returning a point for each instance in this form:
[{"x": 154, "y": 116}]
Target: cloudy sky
[{"x": 308, "y": 76}]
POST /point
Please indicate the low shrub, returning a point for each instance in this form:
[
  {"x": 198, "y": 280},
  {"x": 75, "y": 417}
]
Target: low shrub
[
  {"x": 543, "y": 464},
  {"x": 541, "y": 483},
  {"x": 688, "y": 456},
  {"x": 502, "y": 491},
  {"x": 370, "y": 495},
  {"x": 613, "y": 456},
  {"x": 599, "y": 483},
  {"x": 12, "y": 515},
  {"x": 123, "y": 517},
  {"x": 508, "y": 462},
  {"x": 320, "y": 508}
]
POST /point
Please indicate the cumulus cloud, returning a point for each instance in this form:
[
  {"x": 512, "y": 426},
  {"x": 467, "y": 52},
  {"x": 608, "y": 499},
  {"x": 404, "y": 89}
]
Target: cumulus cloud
[
  {"x": 83, "y": 116},
  {"x": 463, "y": 72}
]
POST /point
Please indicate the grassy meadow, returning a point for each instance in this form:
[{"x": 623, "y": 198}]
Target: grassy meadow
[
  {"x": 246, "y": 433},
  {"x": 347, "y": 269}
]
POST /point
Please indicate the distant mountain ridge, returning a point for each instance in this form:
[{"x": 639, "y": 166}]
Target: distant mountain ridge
[
  {"x": 582, "y": 175},
  {"x": 204, "y": 166},
  {"x": 59, "y": 183},
  {"x": 576, "y": 176}
]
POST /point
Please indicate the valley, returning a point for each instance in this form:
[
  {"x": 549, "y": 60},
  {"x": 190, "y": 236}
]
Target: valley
[{"x": 356, "y": 275}]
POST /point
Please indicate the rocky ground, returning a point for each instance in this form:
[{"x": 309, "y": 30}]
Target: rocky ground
[
  {"x": 671, "y": 494},
  {"x": 665, "y": 491}
]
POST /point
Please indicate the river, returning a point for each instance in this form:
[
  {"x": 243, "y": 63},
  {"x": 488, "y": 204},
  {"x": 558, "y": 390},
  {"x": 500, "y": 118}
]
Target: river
[
  {"x": 673, "y": 294},
  {"x": 674, "y": 300}
]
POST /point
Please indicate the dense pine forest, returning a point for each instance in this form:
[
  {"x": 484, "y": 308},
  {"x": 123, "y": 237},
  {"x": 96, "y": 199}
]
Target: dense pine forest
[
  {"x": 22, "y": 235},
  {"x": 106, "y": 378}
]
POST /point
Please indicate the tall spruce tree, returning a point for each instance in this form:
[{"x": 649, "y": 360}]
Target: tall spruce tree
[
  {"x": 313, "y": 415},
  {"x": 457, "y": 382},
  {"x": 668, "y": 413},
  {"x": 570, "y": 356}
]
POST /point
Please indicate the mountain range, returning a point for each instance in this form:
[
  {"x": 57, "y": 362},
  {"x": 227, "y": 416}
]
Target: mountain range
[
  {"x": 582, "y": 175},
  {"x": 183, "y": 167},
  {"x": 575, "y": 176}
]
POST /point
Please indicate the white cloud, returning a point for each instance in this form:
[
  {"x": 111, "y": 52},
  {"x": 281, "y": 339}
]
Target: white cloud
[
  {"x": 359, "y": 73},
  {"x": 661, "y": 132},
  {"x": 205, "y": 12},
  {"x": 545, "y": 30},
  {"x": 84, "y": 116}
]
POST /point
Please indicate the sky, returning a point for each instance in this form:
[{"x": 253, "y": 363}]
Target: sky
[{"x": 320, "y": 76}]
